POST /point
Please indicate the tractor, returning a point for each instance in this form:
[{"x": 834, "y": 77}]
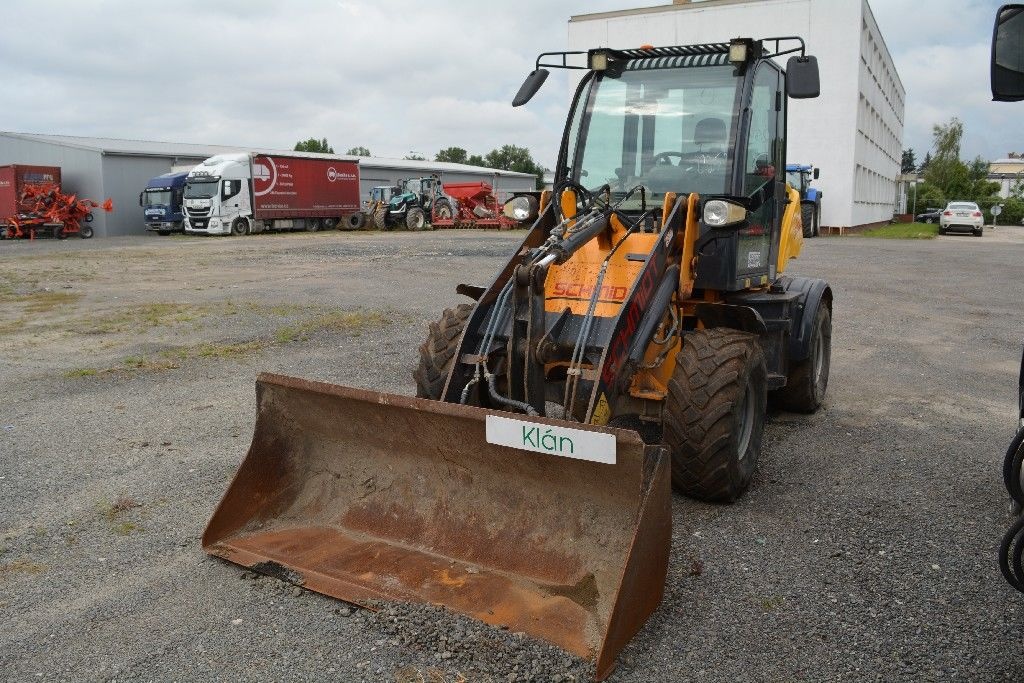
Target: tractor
[
  {"x": 799, "y": 177},
  {"x": 629, "y": 344},
  {"x": 374, "y": 210},
  {"x": 413, "y": 205}
]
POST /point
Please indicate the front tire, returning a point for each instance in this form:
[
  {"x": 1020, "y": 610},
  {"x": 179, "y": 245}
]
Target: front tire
[
  {"x": 240, "y": 227},
  {"x": 808, "y": 379},
  {"x": 415, "y": 219},
  {"x": 85, "y": 232},
  {"x": 807, "y": 219},
  {"x": 715, "y": 414},
  {"x": 438, "y": 352}
]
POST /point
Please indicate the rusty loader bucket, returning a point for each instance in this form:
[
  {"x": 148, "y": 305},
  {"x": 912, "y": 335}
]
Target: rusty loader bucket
[{"x": 367, "y": 496}]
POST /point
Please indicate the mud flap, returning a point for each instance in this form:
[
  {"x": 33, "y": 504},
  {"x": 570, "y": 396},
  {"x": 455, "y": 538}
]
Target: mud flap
[{"x": 367, "y": 496}]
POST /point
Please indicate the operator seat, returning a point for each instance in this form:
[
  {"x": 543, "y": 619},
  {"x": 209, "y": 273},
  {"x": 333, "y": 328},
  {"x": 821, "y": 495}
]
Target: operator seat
[{"x": 710, "y": 131}]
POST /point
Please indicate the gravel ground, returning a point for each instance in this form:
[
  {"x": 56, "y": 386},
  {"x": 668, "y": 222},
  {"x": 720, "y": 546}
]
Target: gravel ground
[{"x": 865, "y": 549}]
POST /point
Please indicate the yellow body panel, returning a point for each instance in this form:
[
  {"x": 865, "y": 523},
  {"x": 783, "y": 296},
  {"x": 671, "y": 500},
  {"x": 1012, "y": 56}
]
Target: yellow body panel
[
  {"x": 571, "y": 284},
  {"x": 791, "y": 240}
]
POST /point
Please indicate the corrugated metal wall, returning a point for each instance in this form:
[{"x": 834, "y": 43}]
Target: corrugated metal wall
[{"x": 124, "y": 177}]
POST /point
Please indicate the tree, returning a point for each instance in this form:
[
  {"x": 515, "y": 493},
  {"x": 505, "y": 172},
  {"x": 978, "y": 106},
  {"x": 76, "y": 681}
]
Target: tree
[
  {"x": 476, "y": 160},
  {"x": 515, "y": 158},
  {"x": 413, "y": 156},
  {"x": 454, "y": 155},
  {"x": 946, "y": 171},
  {"x": 909, "y": 163},
  {"x": 358, "y": 151},
  {"x": 926, "y": 163},
  {"x": 314, "y": 145}
]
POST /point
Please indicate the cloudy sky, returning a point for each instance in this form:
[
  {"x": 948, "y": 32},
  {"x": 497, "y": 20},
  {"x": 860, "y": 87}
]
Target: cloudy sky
[{"x": 392, "y": 75}]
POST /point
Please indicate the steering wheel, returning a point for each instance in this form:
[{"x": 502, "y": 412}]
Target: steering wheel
[{"x": 665, "y": 158}]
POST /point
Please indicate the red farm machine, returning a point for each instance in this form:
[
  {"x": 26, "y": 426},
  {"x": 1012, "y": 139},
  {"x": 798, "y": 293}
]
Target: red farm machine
[
  {"x": 470, "y": 205},
  {"x": 32, "y": 205}
]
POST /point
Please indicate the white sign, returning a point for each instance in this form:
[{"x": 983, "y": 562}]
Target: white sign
[
  {"x": 997, "y": 209},
  {"x": 540, "y": 438}
]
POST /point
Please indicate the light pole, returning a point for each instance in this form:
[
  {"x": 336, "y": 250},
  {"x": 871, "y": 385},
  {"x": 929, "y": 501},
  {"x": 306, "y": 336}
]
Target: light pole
[{"x": 915, "y": 183}]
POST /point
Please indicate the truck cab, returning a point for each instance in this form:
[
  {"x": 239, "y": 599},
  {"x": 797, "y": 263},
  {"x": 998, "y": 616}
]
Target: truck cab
[
  {"x": 217, "y": 196},
  {"x": 161, "y": 202}
]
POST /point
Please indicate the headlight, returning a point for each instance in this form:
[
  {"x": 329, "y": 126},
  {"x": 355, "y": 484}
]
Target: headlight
[{"x": 719, "y": 212}]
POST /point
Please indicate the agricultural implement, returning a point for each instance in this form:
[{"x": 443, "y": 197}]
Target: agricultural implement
[
  {"x": 628, "y": 345},
  {"x": 47, "y": 211},
  {"x": 470, "y": 205}
]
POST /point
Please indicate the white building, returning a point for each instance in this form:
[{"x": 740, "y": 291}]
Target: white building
[
  {"x": 853, "y": 132},
  {"x": 1009, "y": 173}
]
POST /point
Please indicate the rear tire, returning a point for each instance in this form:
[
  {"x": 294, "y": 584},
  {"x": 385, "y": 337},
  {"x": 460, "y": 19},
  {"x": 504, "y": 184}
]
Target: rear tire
[
  {"x": 808, "y": 379},
  {"x": 438, "y": 351},
  {"x": 415, "y": 219},
  {"x": 380, "y": 218},
  {"x": 312, "y": 225},
  {"x": 979, "y": 232},
  {"x": 715, "y": 414},
  {"x": 817, "y": 220},
  {"x": 356, "y": 221},
  {"x": 443, "y": 211},
  {"x": 85, "y": 232},
  {"x": 807, "y": 219}
]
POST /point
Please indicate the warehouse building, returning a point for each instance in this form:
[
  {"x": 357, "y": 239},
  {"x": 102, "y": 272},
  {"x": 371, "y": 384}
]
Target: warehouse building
[
  {"x": 98, "y": 168},
  {"x": 853, "y": 132}
]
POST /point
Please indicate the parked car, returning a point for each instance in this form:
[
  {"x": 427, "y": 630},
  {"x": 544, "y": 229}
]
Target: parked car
[
  {"x": 962, "y": 217},
  {"x": 930, "y": 215}
]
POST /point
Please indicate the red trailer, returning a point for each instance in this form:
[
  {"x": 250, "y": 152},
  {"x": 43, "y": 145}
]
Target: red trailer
[
  {"x": 303, "y": 187},
  {"x": 14, "y": 180}
]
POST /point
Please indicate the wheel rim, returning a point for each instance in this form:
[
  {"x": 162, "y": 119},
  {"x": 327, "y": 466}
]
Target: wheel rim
[{"x": 746, "y": 413}]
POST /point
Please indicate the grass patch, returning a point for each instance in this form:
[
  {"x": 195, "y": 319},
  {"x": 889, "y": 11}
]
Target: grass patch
[
  {"x": 81, "y": 372},
  {"x": 122, "y": 504},
  {"x": 146, "y": 316},
  {"x": 13, "y": 325},
  {"x": 229, "y": 350},
  {"x": 40, "y": 301},
  {"x": 22, "y": 567},
  {"x": 904, "y": 231},
  {"x": 146, "y": 363},
  {"x": 354, "y": 323}
]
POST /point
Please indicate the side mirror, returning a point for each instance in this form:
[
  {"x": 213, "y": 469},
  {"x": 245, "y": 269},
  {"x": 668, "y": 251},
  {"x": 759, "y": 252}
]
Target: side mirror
[
  {"x": 802, "y": 82},
  {"x": 140, "y": 199},
  {"x": 1008, "y": 54},
  {"x": 530, "y": 87},
  {"x": 816, "y": 173}
]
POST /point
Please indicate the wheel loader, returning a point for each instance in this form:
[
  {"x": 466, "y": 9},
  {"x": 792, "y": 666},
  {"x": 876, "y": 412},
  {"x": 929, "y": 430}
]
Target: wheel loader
[{"x": 629, "y": 344}]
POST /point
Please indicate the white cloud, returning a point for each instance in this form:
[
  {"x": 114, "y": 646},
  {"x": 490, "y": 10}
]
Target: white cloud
[{"x": 388, "y": 74}]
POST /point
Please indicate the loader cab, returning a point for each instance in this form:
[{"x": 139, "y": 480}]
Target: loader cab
[{"x": 702, "y": 121}]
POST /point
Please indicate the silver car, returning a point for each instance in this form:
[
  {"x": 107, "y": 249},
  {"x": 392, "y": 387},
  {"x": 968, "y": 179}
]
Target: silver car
[{"x": 961, "y": 217}]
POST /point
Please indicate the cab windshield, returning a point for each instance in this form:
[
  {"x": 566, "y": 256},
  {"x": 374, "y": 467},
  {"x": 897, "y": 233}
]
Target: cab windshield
[
  {"x": 795, "y": 179},
  {"x": 201, "y": 189},
  {"x": 157, "y": 197},
  {"x": 666, "y": 129}
]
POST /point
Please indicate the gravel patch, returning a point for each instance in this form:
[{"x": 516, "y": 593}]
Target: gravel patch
[{"x": 865, "y": 549}]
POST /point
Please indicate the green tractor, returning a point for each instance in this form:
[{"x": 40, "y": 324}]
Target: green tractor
[{"x": 414, "y": 204}]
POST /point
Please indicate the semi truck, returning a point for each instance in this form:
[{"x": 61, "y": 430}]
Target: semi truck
[
  {"x": 162, "y": 203},
  {"x": 248, "y": 192}
]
